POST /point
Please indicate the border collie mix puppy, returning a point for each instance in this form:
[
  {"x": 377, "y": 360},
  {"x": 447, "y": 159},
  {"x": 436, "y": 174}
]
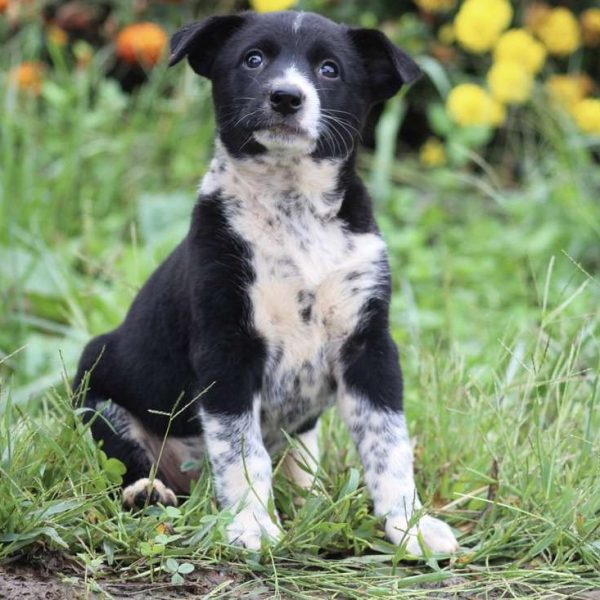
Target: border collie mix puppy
[{"x": 275, "y": 305}]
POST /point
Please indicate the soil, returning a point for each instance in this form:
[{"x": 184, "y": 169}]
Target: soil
[
  {"x": 20, "y": 581},
  {"x": 54, "y": 578},
  {"x": 27, "y": 583}
]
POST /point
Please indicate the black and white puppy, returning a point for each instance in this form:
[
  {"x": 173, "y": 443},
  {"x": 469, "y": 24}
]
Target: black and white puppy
[{"x": 275, "y": 306}]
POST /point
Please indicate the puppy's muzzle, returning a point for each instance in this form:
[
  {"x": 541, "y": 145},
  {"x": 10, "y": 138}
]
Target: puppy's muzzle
[{"x": 286, "y": 100}]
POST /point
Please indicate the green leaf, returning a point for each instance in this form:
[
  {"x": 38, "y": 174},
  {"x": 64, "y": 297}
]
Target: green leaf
[
  {"x": 161, "y": 215},
  {"x": 171, "y": 565},
  {"x": 114, "y": 470},
  {"x": 34, "y": 534},
  {"x": 109, "y": 551},
  {"x": 351, "y": 484},
  {"x": 162, "y": 538},
  {"x": 57, "y": 508},
  {"x": 439, "y": 120},
  {"x": 172, "y": 512},
  {"x": 185, "y": 568},
  {"x": 436, "y": 73}
]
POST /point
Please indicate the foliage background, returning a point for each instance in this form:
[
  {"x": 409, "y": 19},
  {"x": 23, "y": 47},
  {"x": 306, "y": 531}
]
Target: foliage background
[{"x": 493, "y": 235}]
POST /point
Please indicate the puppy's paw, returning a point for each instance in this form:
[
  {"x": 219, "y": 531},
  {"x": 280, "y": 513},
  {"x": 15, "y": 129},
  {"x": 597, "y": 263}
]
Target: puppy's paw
[
  {"x": 145, "y": 491},
  {"x": 249, "y": 527},
  {"x": 435, "y": 534}
]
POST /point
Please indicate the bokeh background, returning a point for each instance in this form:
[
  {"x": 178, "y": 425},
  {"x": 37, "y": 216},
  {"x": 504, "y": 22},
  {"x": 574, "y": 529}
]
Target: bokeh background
[
  {"x": 488, "y": 165},
  {"x": 486, "y": 182}
]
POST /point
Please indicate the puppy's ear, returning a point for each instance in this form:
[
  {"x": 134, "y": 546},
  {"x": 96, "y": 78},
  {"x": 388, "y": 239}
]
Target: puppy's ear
[
  {"x": 388, "y": 67},
  {"x": 201, "y": 42}
]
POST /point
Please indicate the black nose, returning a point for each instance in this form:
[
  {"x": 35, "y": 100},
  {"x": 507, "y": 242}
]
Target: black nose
[{"x": 286, "y": 100}]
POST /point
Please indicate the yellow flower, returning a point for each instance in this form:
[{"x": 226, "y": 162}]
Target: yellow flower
[
  {"x": 535, "y": 14},
  {"x": 479, "y": 23},
  {"x": 519, "y": 46},
  {"x": 469, "y": 104},
  {"x": 559, "y": 30},
  {"x": 568, "y": 90},
  {"x": 446, "y": 34},
  {"x": 27, "y": 77},
  {"x": 590, "y": 26},
  {"x": 510, "y": 82},
  {"x": 432, "y": 153},
  {"x": 587, "y": 115},
  {"x": 435, "y": 6},
  {"x": 141, "y": 43},
  {"x": 264, "y": 6}
]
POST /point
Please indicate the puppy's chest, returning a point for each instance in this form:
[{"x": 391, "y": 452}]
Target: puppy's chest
[{"x": 312, "y": 280}]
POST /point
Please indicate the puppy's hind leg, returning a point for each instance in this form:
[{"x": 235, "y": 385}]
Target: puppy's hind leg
[{"x": 118, "y": 431}]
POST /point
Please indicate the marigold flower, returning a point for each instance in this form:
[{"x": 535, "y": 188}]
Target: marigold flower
[
  {"x": 510, "y": 82},
  {"x": 57, "y": 36},
  {"x": 519, "y": 46},
  {"x": 587, "y": 115},
  {"x": 470, "y": 104},
  {"x": 432, "y": 153},
  {"x": 141, "y": 44},
  {"x": 535, "y": 14},
  {"x": 568, "y": 90},
  {"x": 27, "y": 77},
  {"x": 479, "y": 23},
  {"x": 264, "y": 6},
  {"x": 590, "y": 26},
  {"x": 435, "y": 6},
  {"x": 559, "y": 31}
]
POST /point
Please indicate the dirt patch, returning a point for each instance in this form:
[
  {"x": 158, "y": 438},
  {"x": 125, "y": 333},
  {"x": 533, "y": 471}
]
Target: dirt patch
[
  {"x": 46, "y": 581},
  {"x": 28, "y": 583}
]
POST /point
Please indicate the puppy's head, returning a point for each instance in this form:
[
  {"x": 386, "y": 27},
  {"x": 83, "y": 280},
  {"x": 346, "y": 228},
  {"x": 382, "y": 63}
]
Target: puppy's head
[{"x": 292, "y": 82}]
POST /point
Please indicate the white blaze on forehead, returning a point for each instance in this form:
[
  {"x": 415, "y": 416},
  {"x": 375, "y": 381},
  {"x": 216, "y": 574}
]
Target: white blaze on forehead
[{"x": 297, "y": 22}]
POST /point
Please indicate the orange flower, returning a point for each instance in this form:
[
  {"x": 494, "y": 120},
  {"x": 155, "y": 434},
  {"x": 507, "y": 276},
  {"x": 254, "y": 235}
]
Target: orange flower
[
  {"x": 3, "y": 5},
  {"x": 56, "y": 35},
  {"x": 141, "y": 44},
  {"x": 27, "y": 77}
]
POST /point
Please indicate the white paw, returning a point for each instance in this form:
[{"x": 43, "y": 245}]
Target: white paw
[
  {"x": 436, "y": 535},
  {"x": 145, "y": 491},
  {"x": 250, "y": 526}
]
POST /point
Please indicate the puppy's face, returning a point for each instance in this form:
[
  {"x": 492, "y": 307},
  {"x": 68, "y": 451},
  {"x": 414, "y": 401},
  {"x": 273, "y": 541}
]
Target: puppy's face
[{"x": 292, "y": 82}]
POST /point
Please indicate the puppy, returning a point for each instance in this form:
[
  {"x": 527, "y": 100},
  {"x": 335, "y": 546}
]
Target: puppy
[{"x": 275, "y": 306}]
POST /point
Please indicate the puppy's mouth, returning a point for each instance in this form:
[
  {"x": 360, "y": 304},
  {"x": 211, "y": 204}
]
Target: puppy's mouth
[
  {"x": 285, "y": 136},
  {"x": 284, "y": 129}
]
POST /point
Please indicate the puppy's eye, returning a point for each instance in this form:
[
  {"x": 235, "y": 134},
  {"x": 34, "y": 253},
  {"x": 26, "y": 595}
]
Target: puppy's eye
[
  {"x": 254, "y": 59},
  {"x": 329, "y": 69}
]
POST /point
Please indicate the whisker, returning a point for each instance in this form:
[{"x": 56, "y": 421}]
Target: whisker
[
  {"x": 343, "y": 112},
  {"x": 345, "y": 125}
]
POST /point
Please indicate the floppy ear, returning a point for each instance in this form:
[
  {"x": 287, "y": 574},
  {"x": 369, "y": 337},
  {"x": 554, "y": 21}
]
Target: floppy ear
[
  {"x": 201, "y": 42},
  {"x": 388, "y": 67}
]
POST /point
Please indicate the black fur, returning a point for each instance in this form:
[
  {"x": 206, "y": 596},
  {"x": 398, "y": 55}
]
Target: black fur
[
  {"x": 190, "y": 329},
  {"x": 373, "y": 69}
]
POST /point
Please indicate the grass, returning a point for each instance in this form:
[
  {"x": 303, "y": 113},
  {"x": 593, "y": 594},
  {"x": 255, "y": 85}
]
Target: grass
[{"x": 495, "y": 311}]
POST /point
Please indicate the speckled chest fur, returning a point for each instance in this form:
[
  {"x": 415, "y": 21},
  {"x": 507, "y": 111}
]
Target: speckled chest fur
[{"x": 312, "y": 276}]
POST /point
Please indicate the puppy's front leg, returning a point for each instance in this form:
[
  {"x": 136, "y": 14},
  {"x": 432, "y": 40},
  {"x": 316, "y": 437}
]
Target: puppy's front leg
[
  {"x": 370, "y": 403},
  {"x": 242, "y": 473}
]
